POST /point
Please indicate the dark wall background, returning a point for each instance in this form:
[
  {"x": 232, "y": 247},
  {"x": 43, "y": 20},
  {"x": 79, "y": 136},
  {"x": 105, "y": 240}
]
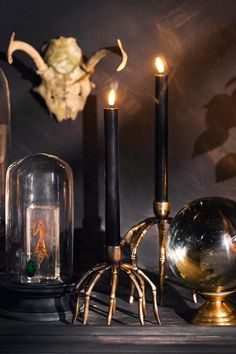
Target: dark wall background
[{"x": 197, "y": 37}]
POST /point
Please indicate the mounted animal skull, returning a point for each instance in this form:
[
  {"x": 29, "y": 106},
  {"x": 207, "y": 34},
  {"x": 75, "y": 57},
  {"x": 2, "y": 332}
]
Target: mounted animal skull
[{"x": 64, "y": 72}]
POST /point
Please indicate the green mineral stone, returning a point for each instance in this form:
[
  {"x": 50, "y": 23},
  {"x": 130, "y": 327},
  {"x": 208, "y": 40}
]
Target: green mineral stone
[{"x": 30, "y": 268}]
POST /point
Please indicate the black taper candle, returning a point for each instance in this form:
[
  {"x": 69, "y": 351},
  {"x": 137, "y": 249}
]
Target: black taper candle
[
  {"x": 112, "y": 208},
  {"x": 161, "y": 137}
]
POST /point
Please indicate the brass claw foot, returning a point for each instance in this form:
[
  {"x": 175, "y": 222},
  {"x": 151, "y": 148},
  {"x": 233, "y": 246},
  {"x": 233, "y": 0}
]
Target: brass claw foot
[
  {"x": 136, "y": 234},
  {"x": 138, "y": 279},
  {"x": 79, "y": 285},
  {"x": 194, "y": 296}
]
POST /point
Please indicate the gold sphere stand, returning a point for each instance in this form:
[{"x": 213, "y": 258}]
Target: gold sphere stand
[
  {"x": 216, "y": 311},
  {"x": 114, "y": 266},
  {"x": 136, "y": 234}
]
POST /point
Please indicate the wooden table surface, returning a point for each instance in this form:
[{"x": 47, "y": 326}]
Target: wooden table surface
[{"x": 125, "y": 335}]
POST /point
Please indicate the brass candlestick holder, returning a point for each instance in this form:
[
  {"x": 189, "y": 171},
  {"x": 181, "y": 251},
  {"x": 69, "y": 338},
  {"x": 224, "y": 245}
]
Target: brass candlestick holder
[
  {"x": 136, "y": 234},
  {"x": 114, "y": 265}
]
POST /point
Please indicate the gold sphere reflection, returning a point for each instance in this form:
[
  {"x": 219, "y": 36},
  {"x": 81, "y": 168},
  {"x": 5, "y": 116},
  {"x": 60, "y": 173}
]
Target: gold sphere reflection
[{"x": 201, "y": 244}]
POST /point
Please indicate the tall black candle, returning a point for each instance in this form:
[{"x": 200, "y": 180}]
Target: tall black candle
[
  {"x": 161, "y": 133},
  {"x": 112, "y": 208}
]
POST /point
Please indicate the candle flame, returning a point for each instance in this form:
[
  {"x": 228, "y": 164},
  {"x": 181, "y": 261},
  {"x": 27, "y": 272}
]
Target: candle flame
[
  {"x": 112, "y": 97},
  {"x": 160, "y": 65}
]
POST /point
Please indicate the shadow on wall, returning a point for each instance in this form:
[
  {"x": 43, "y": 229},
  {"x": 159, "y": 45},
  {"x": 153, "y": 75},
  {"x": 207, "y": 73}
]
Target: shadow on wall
[
  {"x": 90, "y": 239},
  {"x": 27, "y": 74},
  {"x": 219, "y": 119}
]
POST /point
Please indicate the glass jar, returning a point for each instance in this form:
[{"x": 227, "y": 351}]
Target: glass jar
[
  {"x": 4, "y": 157},
  {"x": 39, "y": 220}
]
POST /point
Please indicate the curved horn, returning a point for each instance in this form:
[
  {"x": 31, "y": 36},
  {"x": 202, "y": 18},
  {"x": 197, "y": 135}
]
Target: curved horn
[
  {"x": 25, "y": 47},
  {"x": 95, "y": 59}
]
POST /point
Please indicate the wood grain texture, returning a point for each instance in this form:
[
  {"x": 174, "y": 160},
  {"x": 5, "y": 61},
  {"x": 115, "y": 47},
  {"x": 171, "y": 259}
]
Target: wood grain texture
[{"x": 125, "y": 335}]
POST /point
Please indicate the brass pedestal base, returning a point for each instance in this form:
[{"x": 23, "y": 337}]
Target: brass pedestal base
[{"x": 216, "y": 311}]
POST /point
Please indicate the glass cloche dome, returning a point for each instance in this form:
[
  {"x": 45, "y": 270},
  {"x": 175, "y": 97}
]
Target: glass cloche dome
[{"x": 39, "y": 220}]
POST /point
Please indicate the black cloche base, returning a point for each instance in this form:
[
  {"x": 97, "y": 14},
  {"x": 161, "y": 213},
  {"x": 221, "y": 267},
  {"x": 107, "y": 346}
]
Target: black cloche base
[{"x": 36, "y": 303}]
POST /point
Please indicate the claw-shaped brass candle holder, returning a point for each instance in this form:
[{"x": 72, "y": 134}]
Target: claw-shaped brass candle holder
[
  {"x": 136, "y": 234},
  {"x": 139, "y": 231},
  {"x": 115, "y": 265}
]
